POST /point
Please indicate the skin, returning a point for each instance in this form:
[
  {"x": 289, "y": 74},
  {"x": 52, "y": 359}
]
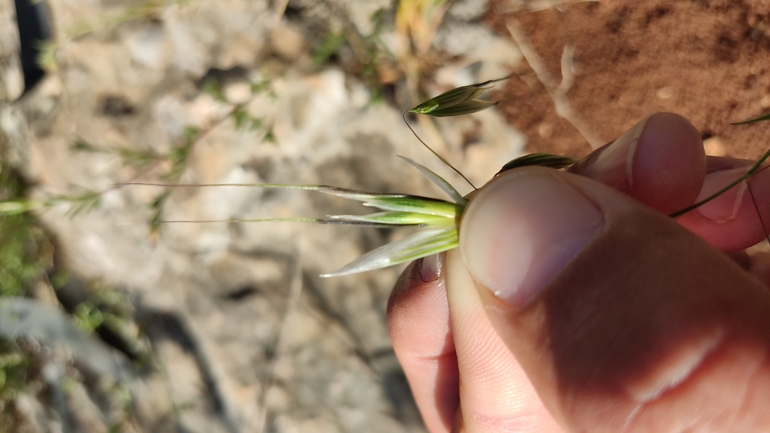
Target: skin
[{"x": 650, "y": 324}]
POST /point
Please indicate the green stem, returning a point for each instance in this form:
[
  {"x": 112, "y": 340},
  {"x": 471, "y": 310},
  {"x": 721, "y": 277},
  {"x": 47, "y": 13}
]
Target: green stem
[
  {"x": 753, "y": 169},
  {"x": 436, "y": 153}
]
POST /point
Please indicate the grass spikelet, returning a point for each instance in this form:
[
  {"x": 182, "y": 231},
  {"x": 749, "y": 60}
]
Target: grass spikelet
[{"x": 439, "y": 217}]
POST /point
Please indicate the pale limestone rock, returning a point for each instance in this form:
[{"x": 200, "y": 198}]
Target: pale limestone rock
[
  {"x": 11, "y": 77},
  {"x": 215, "y": 297}
]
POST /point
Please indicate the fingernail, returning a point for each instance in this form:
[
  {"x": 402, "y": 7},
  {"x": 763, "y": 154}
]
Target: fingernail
[
  {"x": 614, "y": 166},
  {"x": 429, "y": 268},
  {"x": 723, "y": 208},
  {"x": 523, "y": 229}
]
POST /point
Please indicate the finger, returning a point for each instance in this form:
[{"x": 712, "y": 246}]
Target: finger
[
  {"x": 759, "y": 267},
  {"x": 495, "y": 393},
  {"x": 622, "y": 320},
  {"x": 739, "y": 217},
  {"x": 418, "y": 323},
  {"x": 660, "y": 162}
]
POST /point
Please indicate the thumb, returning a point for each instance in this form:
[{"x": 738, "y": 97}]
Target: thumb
[{"x": 621, "y": 319}]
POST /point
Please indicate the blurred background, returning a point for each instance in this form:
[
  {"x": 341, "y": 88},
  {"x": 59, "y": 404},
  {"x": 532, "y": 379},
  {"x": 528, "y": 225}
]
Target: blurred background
[{"x": 112, "y": 323}]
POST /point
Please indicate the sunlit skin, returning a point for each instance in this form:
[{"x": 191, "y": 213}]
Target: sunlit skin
[{"x": 654, "y": 325}]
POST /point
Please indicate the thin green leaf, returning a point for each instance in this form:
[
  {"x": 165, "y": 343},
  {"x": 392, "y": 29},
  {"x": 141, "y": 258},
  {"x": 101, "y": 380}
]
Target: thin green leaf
[
  {"x": 754, "y": 120},
  {"x": 398, "y": 219},
  {"x": 449, "y": 99},
  {"x": 395, "y": 202},
  {"x": 418, "y": 245},
  {"x": 465, "y": 107},
  {"x": 455, "y": 97},
  {"x": 409, "y": 203},
  {"x": 541, "y": 159},
  {"x": 426, "y": 107},
  {"x": 438, "y": 180}
]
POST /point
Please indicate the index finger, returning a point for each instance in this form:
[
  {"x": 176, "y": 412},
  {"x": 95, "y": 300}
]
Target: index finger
[{"x": 661, "y": 163}]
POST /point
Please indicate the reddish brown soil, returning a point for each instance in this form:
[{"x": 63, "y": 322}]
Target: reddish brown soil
[{"x": 706, "y": 60}]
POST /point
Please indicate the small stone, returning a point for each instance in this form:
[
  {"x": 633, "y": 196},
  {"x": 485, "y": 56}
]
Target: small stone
[
  {"x": 238, "y": 92},
  {"x": 714, "y": 147},
  {"x": 665, "y": 93},
  {"x": 287, "y": 41},
  {"x": 277, "y": 399},
  {"x": 467, "y": 10},
  {"x": 765, "y": 101},
  {"x": 545, "y": 130}
]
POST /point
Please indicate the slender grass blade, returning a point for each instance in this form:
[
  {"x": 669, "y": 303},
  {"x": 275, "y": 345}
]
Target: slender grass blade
[
  {"x": 438, "y": 180},
  {"x": 541, "y": 159},
  {"x": 413, "y": 247},
  {"x": 754, "y": 120}
]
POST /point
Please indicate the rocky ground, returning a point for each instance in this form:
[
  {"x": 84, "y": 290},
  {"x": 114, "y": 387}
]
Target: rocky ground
[{"x": 227, "y": 326}]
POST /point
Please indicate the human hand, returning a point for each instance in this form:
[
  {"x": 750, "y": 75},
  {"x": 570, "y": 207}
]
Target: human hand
[{"x": 571, "y": 306}]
